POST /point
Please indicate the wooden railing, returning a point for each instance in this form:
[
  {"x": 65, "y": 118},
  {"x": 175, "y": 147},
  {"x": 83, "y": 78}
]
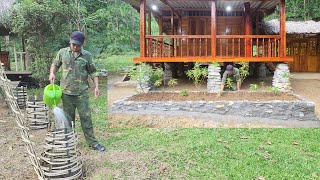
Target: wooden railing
[{"x": 227, "y": 46}]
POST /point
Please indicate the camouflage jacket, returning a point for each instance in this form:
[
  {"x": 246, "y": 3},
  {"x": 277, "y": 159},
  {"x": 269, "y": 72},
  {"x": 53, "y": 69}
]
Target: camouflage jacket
[{"x": 75, "y": 70}]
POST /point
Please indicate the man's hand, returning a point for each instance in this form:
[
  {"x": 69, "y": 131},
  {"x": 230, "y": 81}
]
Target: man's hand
[
  {"x": 52, "y": 77},
  {"x": 96, "y": 92}
]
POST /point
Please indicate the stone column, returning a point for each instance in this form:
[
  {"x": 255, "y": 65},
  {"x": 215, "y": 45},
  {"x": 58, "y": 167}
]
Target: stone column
[
  {"x": 281, "y": 78},
  {"x": 262, "y": 70},
  {"x": 214, "y": 79},
  {"x": 167, "y": 70}
]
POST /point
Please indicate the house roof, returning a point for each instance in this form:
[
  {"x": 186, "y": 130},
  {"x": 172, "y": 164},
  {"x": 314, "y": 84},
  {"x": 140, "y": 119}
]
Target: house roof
[
  {"x": 181, "y": 5},
  {"x": 292, "y": 27}
]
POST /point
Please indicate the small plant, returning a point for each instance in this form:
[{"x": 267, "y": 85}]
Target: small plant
[
  {"x": 262, "y": 84},
  {"x": 253, "y": 87},
  {"x": 141, "y": 73},
  {"x": 243, "y": 71},
  {"x": 157, "y": 76},
  {"x": 274, "y": 90},
  {"x": 172, "y": 82},
  {"x": 197, "y": 74},
  {"x": 229, "y": 83},
  {"x": 184, "y": 92},
  {"x": 215, "y": 64}
]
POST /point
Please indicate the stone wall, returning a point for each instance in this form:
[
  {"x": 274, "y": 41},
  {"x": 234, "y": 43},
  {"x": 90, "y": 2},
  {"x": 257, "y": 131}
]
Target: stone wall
[{"x": 284, "y": 110}]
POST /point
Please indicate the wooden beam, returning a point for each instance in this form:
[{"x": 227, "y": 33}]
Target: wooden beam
[
  {"x": 142, "y": 28},
  {"x": 171, "y": 8},
  {"x": 211, "y": 59},
  {"x": 160, "y": 25},
  {"x": 283, "y": 28},
  {"x": 213, "y": 28}
]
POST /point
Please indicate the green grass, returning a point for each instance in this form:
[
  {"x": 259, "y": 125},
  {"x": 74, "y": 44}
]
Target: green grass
[
  {"x": 225, "y": 153},
  {"x": 116, "y": 63}
]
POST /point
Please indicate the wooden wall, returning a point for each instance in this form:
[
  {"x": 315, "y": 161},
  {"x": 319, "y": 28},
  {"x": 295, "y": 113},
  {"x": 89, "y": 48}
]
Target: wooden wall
[{"x": 305, "y": 52}]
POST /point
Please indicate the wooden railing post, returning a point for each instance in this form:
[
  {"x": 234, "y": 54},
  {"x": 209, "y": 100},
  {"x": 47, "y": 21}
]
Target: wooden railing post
[{"x": 213, "y": 29}]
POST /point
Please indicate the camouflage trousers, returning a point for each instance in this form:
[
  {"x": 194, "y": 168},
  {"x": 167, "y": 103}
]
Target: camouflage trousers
[{"x": 81, "y": 103}]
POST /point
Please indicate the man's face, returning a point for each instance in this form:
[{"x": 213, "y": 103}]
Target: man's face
[{"x": 75, "y": 48}]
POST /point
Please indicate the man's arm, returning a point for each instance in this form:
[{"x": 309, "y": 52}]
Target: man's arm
[
  {"x": 52, "y": 75},
  {"x": 96, "y": 86},
  {"x": 238, "y": 85}
]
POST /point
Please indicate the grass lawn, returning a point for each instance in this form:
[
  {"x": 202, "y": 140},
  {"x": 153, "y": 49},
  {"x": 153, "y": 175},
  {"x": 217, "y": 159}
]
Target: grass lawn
[{"x": 115, "y": 63}]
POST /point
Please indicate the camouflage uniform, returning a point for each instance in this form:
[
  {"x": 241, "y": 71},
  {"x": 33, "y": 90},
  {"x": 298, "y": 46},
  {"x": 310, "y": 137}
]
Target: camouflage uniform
[
  {"x": 74, "y": 83},
  {"x": 235, "y": 76}
]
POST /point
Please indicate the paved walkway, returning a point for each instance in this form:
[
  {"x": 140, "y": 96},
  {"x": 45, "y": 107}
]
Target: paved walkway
[{"x": 297, "y": 75}]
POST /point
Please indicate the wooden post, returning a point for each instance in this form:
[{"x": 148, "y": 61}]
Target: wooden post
[
  {"x": 213, "y": 28},
  {"x": 247, "y": 28},
  {"x": 23, "y": 55},
  {"x": 142, "y": 28},
  {"x": 172, "y": 33},
  {"x": 283, "y": 29},
  {"x": 15, "y": 55}
]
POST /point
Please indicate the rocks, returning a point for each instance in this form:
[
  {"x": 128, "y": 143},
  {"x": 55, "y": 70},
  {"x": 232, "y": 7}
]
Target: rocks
[{"x": 284, "y": 110}]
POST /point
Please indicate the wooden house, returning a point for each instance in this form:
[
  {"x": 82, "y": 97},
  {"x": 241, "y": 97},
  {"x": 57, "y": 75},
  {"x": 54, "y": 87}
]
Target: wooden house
[
  {"x": 210, "y": 30},
  {"x": 303, "y": 43}
]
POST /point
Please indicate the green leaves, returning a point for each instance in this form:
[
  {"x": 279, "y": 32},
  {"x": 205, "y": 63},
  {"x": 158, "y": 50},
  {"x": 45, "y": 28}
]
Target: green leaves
[{"x": 197, "y": 74}]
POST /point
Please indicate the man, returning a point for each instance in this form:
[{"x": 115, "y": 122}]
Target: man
[
  {"x": 233, "y": 73},
  {"x": 77, "y": 66}
]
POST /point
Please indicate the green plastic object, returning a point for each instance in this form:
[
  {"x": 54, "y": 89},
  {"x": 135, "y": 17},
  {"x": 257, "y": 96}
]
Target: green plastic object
[{"x": 52, "y": 95}]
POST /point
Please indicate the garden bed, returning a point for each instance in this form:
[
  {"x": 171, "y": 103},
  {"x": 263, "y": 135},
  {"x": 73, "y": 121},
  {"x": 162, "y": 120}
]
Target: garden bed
[{"x": 283, "y": 106}]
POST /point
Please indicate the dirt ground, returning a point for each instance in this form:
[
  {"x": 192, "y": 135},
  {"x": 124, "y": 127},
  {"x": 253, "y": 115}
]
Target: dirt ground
[{"x": 14, "y": 160}]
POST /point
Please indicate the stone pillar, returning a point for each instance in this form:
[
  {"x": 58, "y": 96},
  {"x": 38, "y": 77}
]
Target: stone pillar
[
  {"x": 167, "y": 70},
  {"x": 214, "y": 79},
  {"x": 281, "y": 78},
  {"x": 262, "y": 70}
]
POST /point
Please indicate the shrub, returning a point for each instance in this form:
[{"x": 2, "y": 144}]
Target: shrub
[
  {"x": 184, "y": 92},
  {"x": 197, "y": 74},
  {"x": 172, "y": 82},
  {"x": 253, "y": 87}
]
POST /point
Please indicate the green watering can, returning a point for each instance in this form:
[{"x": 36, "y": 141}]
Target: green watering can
[{"x": 52, "y": 95}]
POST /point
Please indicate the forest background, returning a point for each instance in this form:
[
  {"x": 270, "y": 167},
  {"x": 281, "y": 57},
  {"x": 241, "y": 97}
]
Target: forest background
[{"x": 111, "y": 26}]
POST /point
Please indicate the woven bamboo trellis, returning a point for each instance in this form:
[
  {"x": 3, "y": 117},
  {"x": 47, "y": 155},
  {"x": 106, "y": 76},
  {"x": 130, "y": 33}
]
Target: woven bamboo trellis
[
  {"x": 37, "y": 113},
  {"x": 11, "y": 100},
  {"x": 61, "y": 158},
  {"x": 21, "y": 95}
]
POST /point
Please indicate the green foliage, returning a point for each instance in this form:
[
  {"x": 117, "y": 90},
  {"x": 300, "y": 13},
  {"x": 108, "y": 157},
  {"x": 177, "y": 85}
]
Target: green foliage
[
  {"x": 298, "y": 10},
  {"x": 157, "y": 77},
  {"x": 184, "y": 92},
  {"x": 274, "y": 90},
  {"x": 197, "y": 74},
  {"x": 215, "y": 64},
  {"x": 229, "y": 83},
  {"x": 262, "y": 83},
  {"x": 141, "y": 73},
  {"x": 172, "y": 82},
  {"x": 243, "y": 71},
  {"x": 285, "y": 75},
  {"x": 253, "y": 87}
]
